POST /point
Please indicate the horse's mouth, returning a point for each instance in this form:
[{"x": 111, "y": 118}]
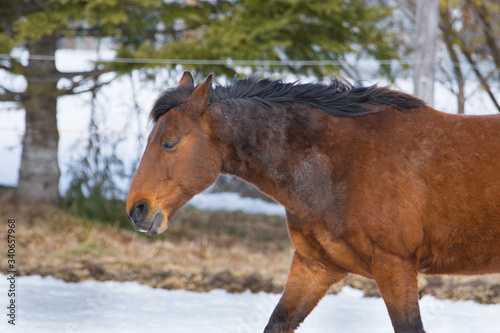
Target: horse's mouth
[
  {"x": 156, "y": 223},
  {"x": 150, "y": 228}
]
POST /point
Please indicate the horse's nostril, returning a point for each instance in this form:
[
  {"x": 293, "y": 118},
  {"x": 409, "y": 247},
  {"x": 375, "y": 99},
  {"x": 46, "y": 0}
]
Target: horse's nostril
[{"x": 139, "y": 211}]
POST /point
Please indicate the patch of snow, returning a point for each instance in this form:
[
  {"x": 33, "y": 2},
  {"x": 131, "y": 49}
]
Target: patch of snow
[
  {"x": 48, "y": 305},
  {"x": 234, "y": 202}
]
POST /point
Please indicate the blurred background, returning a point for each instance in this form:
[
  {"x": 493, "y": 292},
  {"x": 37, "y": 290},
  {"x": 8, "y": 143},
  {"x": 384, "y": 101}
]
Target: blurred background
[{"x": 78, "y": 79}]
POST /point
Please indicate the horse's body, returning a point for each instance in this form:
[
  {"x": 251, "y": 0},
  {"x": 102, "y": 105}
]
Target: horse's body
[{"x": 379, "y": 185}]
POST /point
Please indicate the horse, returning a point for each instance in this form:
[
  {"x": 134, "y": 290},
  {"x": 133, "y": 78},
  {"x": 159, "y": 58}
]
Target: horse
[{"x": 374, "y": 181}]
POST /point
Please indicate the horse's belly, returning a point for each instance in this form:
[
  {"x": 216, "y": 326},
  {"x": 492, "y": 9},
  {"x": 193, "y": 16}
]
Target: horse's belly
[{"x": 461, "y": 262}]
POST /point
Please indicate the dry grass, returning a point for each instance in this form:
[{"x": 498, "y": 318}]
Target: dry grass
[
  {"x": 200, "y": 251},
  {"x": 51, "y": 241}
]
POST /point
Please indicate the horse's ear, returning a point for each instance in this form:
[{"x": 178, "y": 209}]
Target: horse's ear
[
  {"x": 198, "y": 101},
  {"x": 186, "y": 78}
]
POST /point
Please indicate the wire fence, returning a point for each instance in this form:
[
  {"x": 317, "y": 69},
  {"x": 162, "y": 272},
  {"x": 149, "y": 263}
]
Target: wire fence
[{"x": 231, "y": 62}]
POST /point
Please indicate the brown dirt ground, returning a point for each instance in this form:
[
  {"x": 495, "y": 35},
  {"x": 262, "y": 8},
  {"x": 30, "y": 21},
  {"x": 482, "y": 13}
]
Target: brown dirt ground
[{"x": 200, "y": 251}]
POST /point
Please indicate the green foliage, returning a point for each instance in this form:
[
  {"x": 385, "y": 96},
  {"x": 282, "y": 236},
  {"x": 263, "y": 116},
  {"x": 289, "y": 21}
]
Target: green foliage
[
  {"x": 69, "y": 17},
  {"x": 214, "y": 30},
  {"x": 270, "y": 30},
  {"x": 6, "y": 44}
]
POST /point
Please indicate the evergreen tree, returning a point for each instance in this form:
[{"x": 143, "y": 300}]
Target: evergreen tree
[
  {"x": 37, "y": 26},
  {"x": 272, "y": 30}
]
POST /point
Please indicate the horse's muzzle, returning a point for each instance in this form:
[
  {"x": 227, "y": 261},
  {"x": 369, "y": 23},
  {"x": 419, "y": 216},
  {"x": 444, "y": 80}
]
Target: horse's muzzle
[{"x": 137, "y": 217}]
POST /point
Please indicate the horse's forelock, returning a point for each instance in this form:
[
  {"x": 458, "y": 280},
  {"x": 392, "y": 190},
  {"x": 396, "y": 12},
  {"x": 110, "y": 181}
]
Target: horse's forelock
[{"x": 169, "y": 99}]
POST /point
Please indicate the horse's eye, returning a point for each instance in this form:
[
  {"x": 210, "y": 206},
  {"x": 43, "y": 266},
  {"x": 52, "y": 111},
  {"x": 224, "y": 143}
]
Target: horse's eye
[{"x": 169, "y": 144}]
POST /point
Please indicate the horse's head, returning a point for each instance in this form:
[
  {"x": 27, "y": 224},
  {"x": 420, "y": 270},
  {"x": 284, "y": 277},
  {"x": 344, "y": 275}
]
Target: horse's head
[{"x": 181, "y": 159}]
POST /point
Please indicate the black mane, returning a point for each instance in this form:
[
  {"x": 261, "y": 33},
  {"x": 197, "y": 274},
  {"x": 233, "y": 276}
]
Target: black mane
[{"x": 339, "y": 98}]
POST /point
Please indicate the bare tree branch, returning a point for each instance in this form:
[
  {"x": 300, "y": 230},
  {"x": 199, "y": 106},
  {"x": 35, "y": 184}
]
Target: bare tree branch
[
  {"x": 482, "y": 79},
  {"x": 8, "y": 91},
  {"x": 15, "y": 66},
  {"x": 72, "y": 91},
  {"x": 10, "y": 97},
  {"x": 91, "y": 75},
  {"x": 447, "y": 33},
  {"x": 486, "y": 18},
  {"x": 5, "y": 68},
  {"x": 87, "y": 74},
  {"x": 6, "y": 94}
]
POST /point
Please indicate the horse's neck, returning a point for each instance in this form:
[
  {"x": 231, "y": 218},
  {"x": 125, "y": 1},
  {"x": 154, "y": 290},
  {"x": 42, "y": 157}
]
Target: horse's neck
[
  {"x": 275, "y": 151},
  {"x": 256, "y": 142}
]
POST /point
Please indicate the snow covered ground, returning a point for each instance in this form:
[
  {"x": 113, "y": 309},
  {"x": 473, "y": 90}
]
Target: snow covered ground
[{"x": 47, "y": 305}]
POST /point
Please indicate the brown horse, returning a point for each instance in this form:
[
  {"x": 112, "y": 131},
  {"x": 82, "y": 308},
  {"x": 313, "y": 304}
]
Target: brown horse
[{"x": 374, "y": 182}]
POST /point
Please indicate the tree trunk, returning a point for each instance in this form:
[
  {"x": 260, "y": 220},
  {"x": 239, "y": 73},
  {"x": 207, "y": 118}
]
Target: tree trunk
[
  {"x": 448, "y": 36},
  {"x": 39, "y": 172},
  {"x": 425, "y": 49}
]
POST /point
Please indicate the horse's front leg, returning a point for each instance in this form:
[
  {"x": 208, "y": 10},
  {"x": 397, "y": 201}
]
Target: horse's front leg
[
  {"x": 397, "y": 281},
  {"x": 308, "y": 281}
]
